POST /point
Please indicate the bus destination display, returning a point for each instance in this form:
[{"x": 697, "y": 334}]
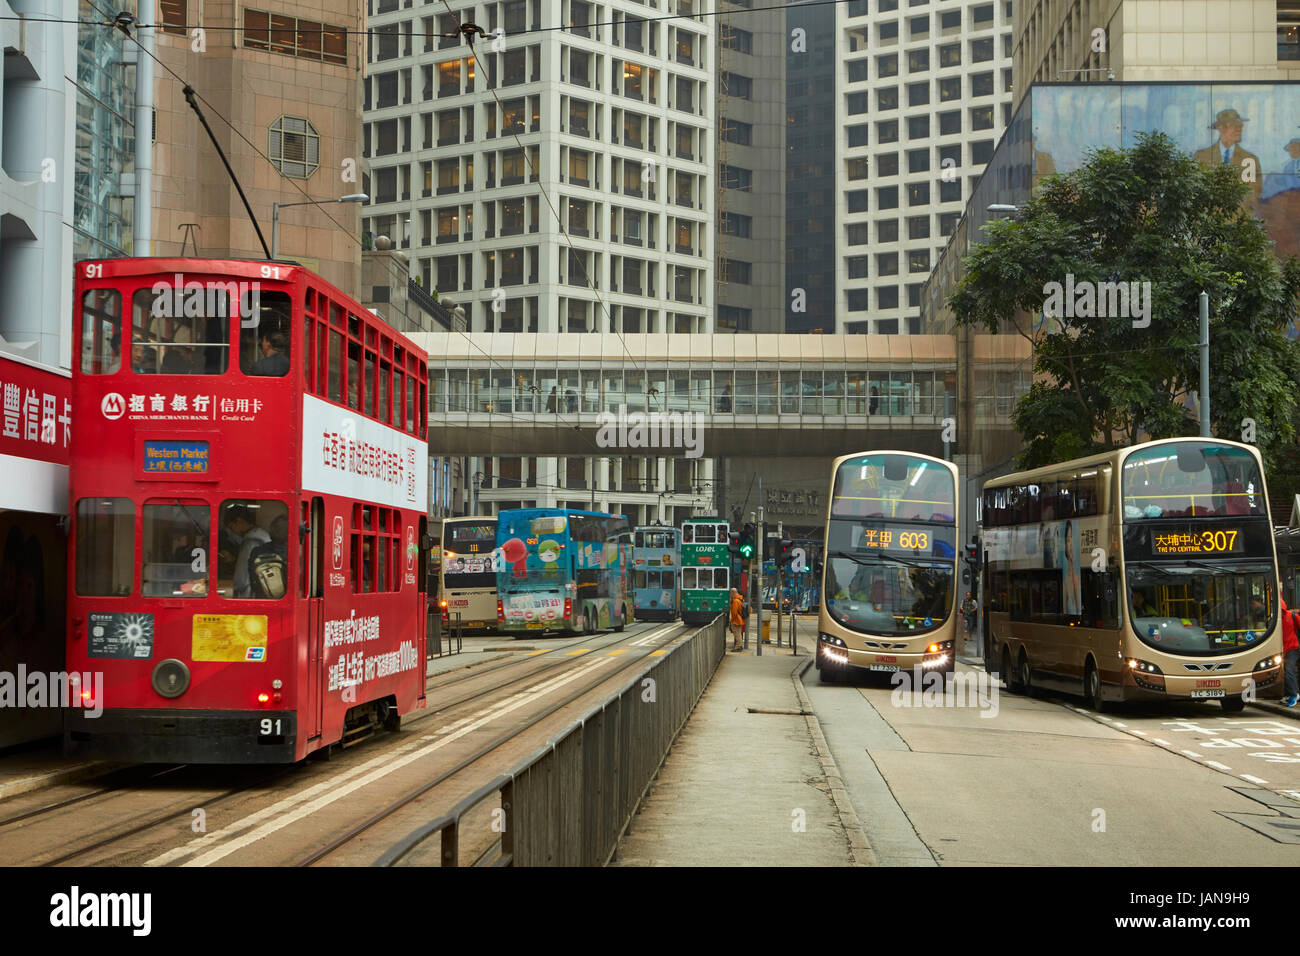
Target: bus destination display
[
  {"x": 176, "y": 457},
  {"x": 1226, "y": 541}
]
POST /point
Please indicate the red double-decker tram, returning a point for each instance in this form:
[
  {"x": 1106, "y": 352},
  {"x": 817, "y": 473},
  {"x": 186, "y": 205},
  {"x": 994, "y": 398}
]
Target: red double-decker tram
[{"x": 248, "y": 502}]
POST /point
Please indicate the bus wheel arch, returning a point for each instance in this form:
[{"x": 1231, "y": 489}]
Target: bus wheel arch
[
  {"x": 1233, "y": 704},
  {"x": 1008, "y": 674}
]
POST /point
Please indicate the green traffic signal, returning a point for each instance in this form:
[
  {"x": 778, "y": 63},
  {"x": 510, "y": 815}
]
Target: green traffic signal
[{"x": 746, "y": 549}]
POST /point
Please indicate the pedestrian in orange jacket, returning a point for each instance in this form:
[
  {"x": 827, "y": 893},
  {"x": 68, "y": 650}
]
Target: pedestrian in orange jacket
[{"x": 737, "y": 620}]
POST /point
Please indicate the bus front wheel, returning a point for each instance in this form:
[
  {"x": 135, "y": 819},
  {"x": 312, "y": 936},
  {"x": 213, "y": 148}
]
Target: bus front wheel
[
  {"x": 618, "y": 628},
  {"x": 1233, "y": 704},
  {"x": 1092, "y": 688},
  {"x": 1008, "y": 676}
]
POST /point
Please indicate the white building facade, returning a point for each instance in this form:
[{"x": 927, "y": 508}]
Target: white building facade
[
  {"x": 923, "y": 94},
  {"x": 559, "y": 175}
]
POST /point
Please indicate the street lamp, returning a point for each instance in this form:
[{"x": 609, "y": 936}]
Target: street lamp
[
  {"x": 277, "y": 206},
  {"x": 1004, "y": 208}
]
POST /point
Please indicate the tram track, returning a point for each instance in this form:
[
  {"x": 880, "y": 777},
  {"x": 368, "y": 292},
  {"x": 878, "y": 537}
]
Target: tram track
[
  {"x": 135, "y": 787},
  {"x": 467, "y": 761}
]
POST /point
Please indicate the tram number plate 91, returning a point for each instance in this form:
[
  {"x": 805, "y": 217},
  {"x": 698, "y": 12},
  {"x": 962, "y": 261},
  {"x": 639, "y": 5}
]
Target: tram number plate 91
[
  {"x": 1208, "y": 693},
  {"x": 887, "y": 668},
  {"x": 270, "y": 727}
]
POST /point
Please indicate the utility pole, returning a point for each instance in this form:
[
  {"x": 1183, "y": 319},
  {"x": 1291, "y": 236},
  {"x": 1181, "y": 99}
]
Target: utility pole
[{"x": 1205, "y": 365}]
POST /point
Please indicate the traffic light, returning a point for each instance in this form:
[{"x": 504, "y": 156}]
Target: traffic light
[
  {"x": 733, "y": 543},
  {"x": 747, "y": 542},
  {"x": 973, "y": 558},
  {"x": 784, "y": 551}
]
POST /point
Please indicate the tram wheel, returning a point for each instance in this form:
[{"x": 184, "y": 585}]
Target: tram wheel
[
  {"x": 1092, "y": 688},
  {"x": 1233, "y": 704}
]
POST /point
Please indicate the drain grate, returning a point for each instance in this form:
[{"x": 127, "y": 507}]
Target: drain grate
[{"x": 783, "y": 713}]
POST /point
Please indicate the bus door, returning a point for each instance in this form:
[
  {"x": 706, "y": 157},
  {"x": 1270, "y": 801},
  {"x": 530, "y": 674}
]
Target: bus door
[
  {"x": 418, "y": 559},
  {"x": 314, "y": 556}
]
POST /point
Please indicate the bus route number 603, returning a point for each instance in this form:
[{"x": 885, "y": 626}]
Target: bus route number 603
[{"x": 270, "y": 726}]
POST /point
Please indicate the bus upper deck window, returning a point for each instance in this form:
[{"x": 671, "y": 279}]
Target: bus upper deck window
[
  {"x": 264, "y": 333},
  {"x": 101, "y": 331},
  {"x": 180, "y": 331}
]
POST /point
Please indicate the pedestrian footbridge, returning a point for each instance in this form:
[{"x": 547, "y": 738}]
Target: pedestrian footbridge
[{"x": 752, "y": 394}]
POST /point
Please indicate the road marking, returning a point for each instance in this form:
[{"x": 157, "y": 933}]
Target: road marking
[
  {"x": 544, "y": 650},
  {"x": 1216, "y": 765},
  {"x": 1246, "y": 776},
  {"x": 581, "y": 650},
  {"x": 657, "y": 653},
  {"x": 296, "y": 807},
  {"x": 1193, "y": 754},
  {"x": 621, "y": 650},
  {"x": 1162, "y": 743},
  {"x": 1140, "y": 733},
  {"x": 1118, "y": 724}
]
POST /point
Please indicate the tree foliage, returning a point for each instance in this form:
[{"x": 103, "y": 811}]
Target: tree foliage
[{"x": 1146, "y": 214}]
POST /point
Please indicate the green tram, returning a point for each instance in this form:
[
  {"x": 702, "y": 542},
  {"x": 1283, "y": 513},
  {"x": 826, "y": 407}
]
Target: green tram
[{"x": 706, "y": 569}]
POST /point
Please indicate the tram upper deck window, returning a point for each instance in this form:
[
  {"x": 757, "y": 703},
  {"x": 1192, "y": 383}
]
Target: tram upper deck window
[
  {"x": 101, "y": 331},
  {"x": 180, "y": 332},
  {"x": 105, "y": 546},
  {"x": 174, "y": 541},
  {"x": 1192, "y": 479},
  {"x": 264, "y": 333}
]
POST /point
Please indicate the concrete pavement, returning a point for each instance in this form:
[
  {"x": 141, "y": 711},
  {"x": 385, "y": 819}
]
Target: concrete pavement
[{"x": 749, "y": 781}]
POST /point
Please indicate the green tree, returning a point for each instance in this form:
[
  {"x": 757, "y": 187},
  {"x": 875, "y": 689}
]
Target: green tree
[{"x": 1146, "y": 214}]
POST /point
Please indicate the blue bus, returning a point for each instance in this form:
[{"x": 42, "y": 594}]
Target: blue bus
[
  {"x": 562, "y": 571},
  {"x": 657, "y": 572}
]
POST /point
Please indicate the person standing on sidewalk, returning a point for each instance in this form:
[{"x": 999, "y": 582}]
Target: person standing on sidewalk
[
  {"x": 1291, "y": 648},
  {"x": 970, "y": 612},
  {"x": 737, "y": 621}
]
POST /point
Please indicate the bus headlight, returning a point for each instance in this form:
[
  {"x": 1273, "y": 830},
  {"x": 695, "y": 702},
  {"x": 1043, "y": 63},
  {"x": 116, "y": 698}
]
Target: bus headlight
[
  {"x": 1269, "y": 662},
  {"x": 938, "y": 648},
  {"x": 1145, "y": 667},
  {"x": 829, "y": 639}
]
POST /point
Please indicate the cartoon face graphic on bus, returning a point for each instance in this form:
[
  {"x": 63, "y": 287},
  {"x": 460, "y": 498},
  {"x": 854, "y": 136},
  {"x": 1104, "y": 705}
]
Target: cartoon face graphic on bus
[
  {"x": 549, "y": 552},
  {"x": 516, "y": 552}
]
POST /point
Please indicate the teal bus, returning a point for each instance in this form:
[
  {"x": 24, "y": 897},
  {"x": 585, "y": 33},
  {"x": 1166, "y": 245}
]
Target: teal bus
[
  {"x": 562, "y": 571},
  {"x": 656, "y": 572},
  {"x": 706, "y": 569}
]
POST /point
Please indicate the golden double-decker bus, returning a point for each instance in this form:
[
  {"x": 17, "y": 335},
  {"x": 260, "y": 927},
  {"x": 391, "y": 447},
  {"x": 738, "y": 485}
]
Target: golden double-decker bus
[
  {"x": 467, "y": 589},
  {"x": 888, "y": 594},
  {"x": 1146, "y": 572}
]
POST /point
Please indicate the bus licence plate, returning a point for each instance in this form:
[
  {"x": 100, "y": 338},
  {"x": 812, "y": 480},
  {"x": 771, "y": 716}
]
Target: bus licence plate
[
  {"x": 1208, "y": 693},
  {"x": 887, "y": 668}
]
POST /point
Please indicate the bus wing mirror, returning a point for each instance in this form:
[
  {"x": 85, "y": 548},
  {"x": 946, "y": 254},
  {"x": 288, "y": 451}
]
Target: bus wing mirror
[
  {"x": 426, "y": 542},
  {"x": 304, "y": 529}
]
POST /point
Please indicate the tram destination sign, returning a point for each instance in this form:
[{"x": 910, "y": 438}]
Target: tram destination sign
[{"x": 176, "y": 457}]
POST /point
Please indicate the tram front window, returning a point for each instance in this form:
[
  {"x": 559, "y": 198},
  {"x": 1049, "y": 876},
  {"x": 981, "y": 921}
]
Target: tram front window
[
  {"x": 884, "y": 595},
  {"x": 1190, "y": 610}
]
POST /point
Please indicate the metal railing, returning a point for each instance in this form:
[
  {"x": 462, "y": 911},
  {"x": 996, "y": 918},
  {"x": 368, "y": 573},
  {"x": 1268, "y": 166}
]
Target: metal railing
[{"x": 569, "y": 803}]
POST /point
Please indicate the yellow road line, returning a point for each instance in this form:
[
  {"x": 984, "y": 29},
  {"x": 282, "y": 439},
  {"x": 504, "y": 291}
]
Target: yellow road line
[
  {"x": 581, "y": 650},
  {"x": 658, "y": 653},
  {"x": 544, "y": 650},
  {"x": 622, "y": 650}
]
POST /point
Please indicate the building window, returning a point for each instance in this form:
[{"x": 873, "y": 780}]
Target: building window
[
  {"x": 736, "y": 177},
  {"x": 887, "y": 164},
  {"x": 887, "y": 197},
  {"x": 918, "y": 160},
  {"x": 308, "y": 39},
  {"x": 981, "y": 152},
  {"x": 918, "y": 194},
  {"x": 918, "y": 61},
  {"x": 734, "y": 224},
  {"x": 857, "y": 200},
  {"x": 734, "y": 270},
  {"x": 731, "y": 38},
  {"x": 918, "y": 94},
  {"x": 858, "y": 71},
  {"x": 857, "y": 169},
  {"x": 294, "y": 147},
  {"x": 734, "y": 131},
  {"x": 950, "y": 191},
  {"x": 950, "y": 89},
  {"x": 981, "y": 84},
  {"x": 886, "y": 66},
  {"x": 886, "y": 230},
  {"x": 981, "y": 50},
  {"x": 857, "y": 234},
  {"x": 948, "y": 222},
  {"x": 918, "y": 227},
  {"x": 887, "y": 298},
  {"x": 886, "y": 98},
  {"x": 733, "y": 318},
  {"x": 949, "y": 123},
  {"x": 887, "y": 131},
  {"x": 858, "y": 300},
  {"x": 174, "y": 16},
  {"x": 918, "y": 127},
  {"x": 981, "y": 117},
  {"x": 887, "y": 263},
  {"x": 857, "y": 267},
  {"x": 950, "y": 55},
  {"x": 858, "y": 135}
]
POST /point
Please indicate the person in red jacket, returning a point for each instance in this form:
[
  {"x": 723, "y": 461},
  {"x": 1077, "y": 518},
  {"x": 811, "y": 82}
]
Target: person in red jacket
[{"x": 1291, "y": 648}]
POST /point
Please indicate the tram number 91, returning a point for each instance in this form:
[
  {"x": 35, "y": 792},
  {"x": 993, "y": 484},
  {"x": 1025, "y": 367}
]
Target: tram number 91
[
  {"x": 270, "y": 727},
  {"x": 914, "y": 540}
]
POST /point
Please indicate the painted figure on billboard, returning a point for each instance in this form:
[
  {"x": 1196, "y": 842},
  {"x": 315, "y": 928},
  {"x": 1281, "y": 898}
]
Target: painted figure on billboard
[{"x": 1229, "y": 151}]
